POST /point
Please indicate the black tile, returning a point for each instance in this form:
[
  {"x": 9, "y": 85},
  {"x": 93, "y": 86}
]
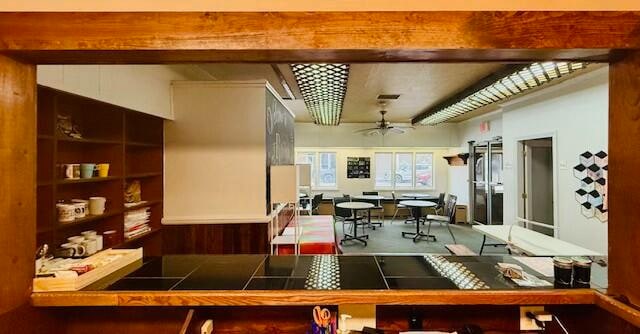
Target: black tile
[
  {"x": 146, "y": 284},
  {"x": 360, "y": 272},
  {"x": 267, "y": 283},
  {"x": 223, "y": 273},
  {"x": 406, "y": 266},
  {"x": 295, "y": 283},
  {"x": 170, "y": 266},
  {"x": 420, "y": 283},
  {"x": 285, "y": 266}
]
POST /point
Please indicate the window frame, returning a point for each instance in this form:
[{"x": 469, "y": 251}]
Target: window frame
[
  {"x": 414, "y": 185},
  {"x": 315, "y": 166}
]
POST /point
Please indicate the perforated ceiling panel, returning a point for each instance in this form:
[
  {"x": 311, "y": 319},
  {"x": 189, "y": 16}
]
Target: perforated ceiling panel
[
  {"x": 323, "y": 88},
  {"x": 532, "y": 76}
]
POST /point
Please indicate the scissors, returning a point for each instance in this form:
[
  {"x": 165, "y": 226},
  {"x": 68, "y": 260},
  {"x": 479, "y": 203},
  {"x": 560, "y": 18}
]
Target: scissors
[{"x": 321, "y": 316}]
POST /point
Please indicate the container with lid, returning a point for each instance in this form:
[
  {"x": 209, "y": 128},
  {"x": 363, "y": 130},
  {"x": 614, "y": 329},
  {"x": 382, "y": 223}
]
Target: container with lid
[
  {"x": 562, "y": 271},
  {"x": 581, "y": 271}
]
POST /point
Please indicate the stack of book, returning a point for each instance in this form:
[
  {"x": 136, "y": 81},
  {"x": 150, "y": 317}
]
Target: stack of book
[{"x": 136, "y": 223}]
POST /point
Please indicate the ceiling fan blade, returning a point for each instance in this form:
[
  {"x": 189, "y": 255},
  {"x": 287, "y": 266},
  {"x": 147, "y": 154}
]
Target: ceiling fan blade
[
  {"x": 365, "y": 130},
  {"x": 396, "y": 130}
]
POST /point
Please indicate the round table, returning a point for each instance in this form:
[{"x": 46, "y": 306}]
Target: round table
[
  {"x": 355, "y": 206},
  {"x": 416, "y": 206},
  {"x": 419, "y": 196}
]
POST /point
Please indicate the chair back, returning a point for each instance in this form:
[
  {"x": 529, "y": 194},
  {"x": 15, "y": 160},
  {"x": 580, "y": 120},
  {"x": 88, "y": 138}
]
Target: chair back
[
  {"x": 316, "y": 202},
  {"x": 451, "y": 207},
  {"x": 347, "y": 196},
  {"x": 440, "y": 203},
  {"x": 393, "y": 196},
  {"x": 375, "y": 202},
  {"x": 374, "y": 193},
  {"x": 341, "y": 212}
]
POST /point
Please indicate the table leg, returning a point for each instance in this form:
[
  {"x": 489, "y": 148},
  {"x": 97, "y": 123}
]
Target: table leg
[
  {"x": 418, "y": 233},
  {"x": 355, "y": 231}
]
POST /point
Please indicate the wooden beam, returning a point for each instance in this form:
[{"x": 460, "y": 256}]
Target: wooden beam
[
  {"x": 478, "y": 85},
  {"x": 338, "y": 36},
  {"x": 18, "y": 180},
  {"x": 308, "y": 297},
  {"x": 623, "y": 180}
]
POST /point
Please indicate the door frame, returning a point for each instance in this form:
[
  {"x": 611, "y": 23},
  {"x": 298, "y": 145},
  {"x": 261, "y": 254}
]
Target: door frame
[
  {"x": 519, "y": 170},
  {"x": 27, "y": 39}
]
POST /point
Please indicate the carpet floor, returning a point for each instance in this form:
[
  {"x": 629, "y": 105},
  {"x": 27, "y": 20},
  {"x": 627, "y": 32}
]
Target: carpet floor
[{"x": 388, "y": 239}]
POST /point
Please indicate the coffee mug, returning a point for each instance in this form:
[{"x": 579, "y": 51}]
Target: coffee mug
[
  {"x": 98, "y": 239},
  {"x": 103, "y": 170},
  {"x": 86, "y": 170},
  {"x": 80, "y": 210},
  {"x": 66, "y": 212},
  {"x": 90, "y": 246},
  {"x": 78, "y": 250},
  {"x": 87, "y": 234},
  {"x": 76, "y": 239},
  {"x": 96, "y": 205},
  {"x": 71, "y": 171}
]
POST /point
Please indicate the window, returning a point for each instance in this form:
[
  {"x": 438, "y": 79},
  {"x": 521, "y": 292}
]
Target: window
[
  {"x": 323, "y": 168},
  {"x": 327, "y": 170},
  {"x": 404, "y": 170},
  {"x": 424, "y": 170},
  {"x": 398, "y": 170},
  {"x": 383, "y": 165}
]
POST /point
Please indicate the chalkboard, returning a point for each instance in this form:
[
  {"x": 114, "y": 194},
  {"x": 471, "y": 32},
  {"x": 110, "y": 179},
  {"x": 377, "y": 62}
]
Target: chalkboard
[{"x": 358, "y": 168}]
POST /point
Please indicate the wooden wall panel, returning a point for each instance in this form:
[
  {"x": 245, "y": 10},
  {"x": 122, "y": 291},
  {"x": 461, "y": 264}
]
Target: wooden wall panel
[
  {"x": 18, "y": 182},
  {"x": 624, "y": 183},
  {"x": 216, "y": 239}
]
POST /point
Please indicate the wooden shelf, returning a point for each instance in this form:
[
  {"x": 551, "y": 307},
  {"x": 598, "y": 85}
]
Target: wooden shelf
[
  {"x": 143, "y": 144},
  {"x": 89, "y": 180},
  {"x": 311, "y": 297},
  {"x": 136, "y": 238},
  {"x": 88, "y": 219},
  {"x": 142, "y": 205},
  {"x": 126, "y": 139},
  {"x": 89, "y": 141},
  {"x": 143, "y": 175}
]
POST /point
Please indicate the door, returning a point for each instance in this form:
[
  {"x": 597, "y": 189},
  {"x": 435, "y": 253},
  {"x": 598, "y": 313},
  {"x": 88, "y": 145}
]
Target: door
[
  {"x": 486, "y": 186},
  {"x": 537, "y": 183}
]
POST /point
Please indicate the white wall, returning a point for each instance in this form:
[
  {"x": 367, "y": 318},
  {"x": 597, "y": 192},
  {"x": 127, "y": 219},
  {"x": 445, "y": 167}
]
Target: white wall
[
  {"x": 575, "y": 112},
  {"x": 145, "y": 88},
  {"x": 357, "y": 186}
]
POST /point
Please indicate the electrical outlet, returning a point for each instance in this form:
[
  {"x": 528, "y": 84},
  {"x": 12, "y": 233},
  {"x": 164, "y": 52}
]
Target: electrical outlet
[
  {"x": 207, "y": 327},
  {"x": 527, "y": 324}
]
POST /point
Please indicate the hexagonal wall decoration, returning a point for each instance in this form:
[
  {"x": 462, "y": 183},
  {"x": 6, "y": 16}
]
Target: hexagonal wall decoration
[{"x": 592, "y": 194}]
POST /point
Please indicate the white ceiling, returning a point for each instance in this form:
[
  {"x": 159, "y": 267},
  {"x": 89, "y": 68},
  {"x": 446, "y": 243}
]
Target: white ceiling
[{"x": 420, "y": 85}]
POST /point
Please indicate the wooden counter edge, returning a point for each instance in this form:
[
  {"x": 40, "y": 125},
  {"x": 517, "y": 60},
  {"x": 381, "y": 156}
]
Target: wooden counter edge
[
  {"x": 618, "y": 308},
  {"x": 297, "y": 297}
]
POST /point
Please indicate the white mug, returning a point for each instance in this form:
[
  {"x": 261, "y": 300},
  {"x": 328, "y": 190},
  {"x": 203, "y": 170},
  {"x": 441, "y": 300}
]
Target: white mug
[
  {"x": 78, "y": 250},
  {"x": 98, "y": 239},
  {"x": 88, "y": 234},
  {"x": 90, "y": 246},
  {"x": 96, "y": 205},
  {"x": 76, "y": 239},
  {"x": 80, "y": 210},
  {"x": 66, "y": 212}
]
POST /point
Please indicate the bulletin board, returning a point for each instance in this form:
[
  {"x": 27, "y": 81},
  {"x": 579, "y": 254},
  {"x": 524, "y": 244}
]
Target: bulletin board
[{"x": 358, "y": 168}]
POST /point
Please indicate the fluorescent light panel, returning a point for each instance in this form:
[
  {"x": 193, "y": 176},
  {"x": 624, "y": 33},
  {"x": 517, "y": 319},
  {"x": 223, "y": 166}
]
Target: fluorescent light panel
[
  {"x": 323, "y": 88},
  {"x": 514, "y": 84}
]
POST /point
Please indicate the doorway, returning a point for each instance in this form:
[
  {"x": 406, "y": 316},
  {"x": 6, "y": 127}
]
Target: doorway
[
  {"x": 486, "y": 187},
  {"x": 536, "y": 184}
]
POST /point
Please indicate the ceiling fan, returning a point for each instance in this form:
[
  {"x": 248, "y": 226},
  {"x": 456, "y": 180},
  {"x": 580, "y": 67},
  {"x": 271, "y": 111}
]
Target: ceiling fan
[{"x": 383, "y": 126}]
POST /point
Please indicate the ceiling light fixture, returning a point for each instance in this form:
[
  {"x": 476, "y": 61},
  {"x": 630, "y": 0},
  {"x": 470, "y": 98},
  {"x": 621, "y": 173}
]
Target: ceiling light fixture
[
  {"x": 323, "y": 88},
  {"x": 532, "y": 76}
]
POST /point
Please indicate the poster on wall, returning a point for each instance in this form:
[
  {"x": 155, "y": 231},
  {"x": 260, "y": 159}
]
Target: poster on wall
[
  {"x": 592, "y": 194},
  {"x": 358, "y": 168}
]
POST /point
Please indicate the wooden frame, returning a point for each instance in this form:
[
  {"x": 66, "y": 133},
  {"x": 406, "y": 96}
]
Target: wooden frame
[{"x": 27, "y": 39}]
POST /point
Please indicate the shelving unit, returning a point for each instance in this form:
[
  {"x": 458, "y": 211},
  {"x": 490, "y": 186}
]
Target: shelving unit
[{"x": 131, "y": 142}]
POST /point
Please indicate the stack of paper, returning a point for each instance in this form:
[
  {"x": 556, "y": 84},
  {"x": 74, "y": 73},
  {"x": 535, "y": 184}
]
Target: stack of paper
[{"x": 136, "y": 223}]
